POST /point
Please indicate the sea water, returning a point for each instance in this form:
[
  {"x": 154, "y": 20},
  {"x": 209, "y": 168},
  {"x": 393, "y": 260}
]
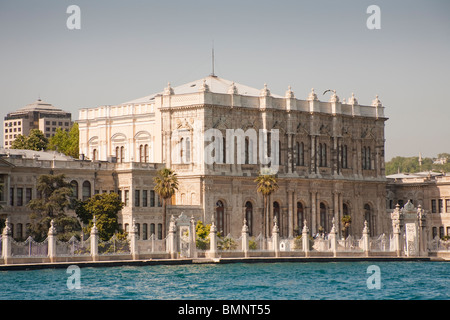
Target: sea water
[{"x": 243, "y": 281}]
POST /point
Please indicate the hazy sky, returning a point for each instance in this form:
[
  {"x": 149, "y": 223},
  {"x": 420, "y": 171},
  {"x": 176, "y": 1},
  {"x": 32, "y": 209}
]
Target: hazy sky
[{"x": 130, "y": 49}]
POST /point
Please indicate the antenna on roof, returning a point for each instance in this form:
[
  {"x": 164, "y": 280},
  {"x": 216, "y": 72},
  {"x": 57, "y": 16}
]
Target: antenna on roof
[{"x": 212, "y": 60}]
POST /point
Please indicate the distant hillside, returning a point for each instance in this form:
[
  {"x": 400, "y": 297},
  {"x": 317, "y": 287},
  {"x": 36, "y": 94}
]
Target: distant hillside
[{"x": 411, "y": 164}]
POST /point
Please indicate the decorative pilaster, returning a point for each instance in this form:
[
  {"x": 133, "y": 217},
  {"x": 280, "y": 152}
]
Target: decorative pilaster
[{"x": 192, "y": 239}]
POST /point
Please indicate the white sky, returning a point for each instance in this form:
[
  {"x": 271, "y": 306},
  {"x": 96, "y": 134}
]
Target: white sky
[{"x": 130, "y": 49}]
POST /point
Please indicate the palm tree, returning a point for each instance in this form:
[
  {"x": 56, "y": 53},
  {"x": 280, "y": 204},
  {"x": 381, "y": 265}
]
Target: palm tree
[
  {"x": 346, "y": 222},
  {"x": 266, "y": 185},
  {"x": 166, "y": 185}
]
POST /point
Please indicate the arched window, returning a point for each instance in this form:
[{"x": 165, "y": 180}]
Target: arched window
[
  {"x": 181, "y": 149},
  {"x": 118, "y": 154},
  {"x": 246, "y": 151},
  {"x": 276, "y": 211},
  {"x": 141, "y": 153},
  {"x": 144, "y": 231},
  {"x": 220, "y": 216},
  {"x": 74, "y": 187},
  {"x": 300, "y": 216},
  {"x": 368, "y": 216},
  {"x": 152, "y": 229},
  {"x": 146, "y": 154},
  {"x": 345, "y": 210},
  {"x": 323, "y": 216},
  {"x": 86, "y": 190},
  {"x": 94, "y": 155},
  {"x": 224, "y": 150},
  {"x": 319, "y": 155},
  {"x": 160, "y": 231},
  {"x": 249, "y": 217},
  {"x": 368, "y": 160},
  {"x": 122, "y": 154}
]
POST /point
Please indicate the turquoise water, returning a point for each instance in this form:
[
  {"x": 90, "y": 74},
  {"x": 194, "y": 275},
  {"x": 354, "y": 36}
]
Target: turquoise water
[{"x": 291, "y": 281}]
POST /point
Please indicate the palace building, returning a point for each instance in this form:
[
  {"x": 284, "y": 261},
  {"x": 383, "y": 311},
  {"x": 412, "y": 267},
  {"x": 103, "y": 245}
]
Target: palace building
[{"x": 330, "y": 155}]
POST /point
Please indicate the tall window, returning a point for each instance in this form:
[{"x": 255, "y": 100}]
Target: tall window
[
  {"x": 440, "y": 202},
  {"x": 86, "y": 190},
  {"x": 144, "y": 231},
  {"x": 152, "y": 198},
  {"x": 141, "y": 153},
  {"x": 344, "y": 163},
  {"x": 122, "y": 154},
  {"x": 368, "y": 216},
  {"x": 322, "y": 155},
  {"x": 137, "y": 198},
  {"x": 300, "y": 216},
  {"x": 224, "y": 150},
  {"x": 276, "y": 211},
  {"x": 220, "y": 216},
  {"x": 188, "y": 150},
  {"x": 246, "y": 160},
  {"x": 181, "y": 149},
  {"x": 159, "y": 231},
  {"x": 366, "y": 158},
  {"x": 152, "y": 229},
  {"x": 323, "y": 216},
  {"x": 20, "y": 196},
  {"x": 94, "y": 155},
  {"x": 249, "y": 217},
  {"x": 433, "y": 206},
  {"x": 146, "y": 153},
  {"x": 28, "y": 195},
  {"x": 144, "y": 198},
  {"x": 299, "y": 154}
]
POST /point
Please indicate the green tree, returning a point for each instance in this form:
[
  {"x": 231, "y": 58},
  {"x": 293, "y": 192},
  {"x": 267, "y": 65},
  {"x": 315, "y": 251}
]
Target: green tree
[
  {"x": 34, "y": 141},
  {"x": 202, "y": 231},
  {"x": 66, "y": 142},
  {"x": 166, "y": 184},
  {"x": 105, "y": 207},
  {"x": 54, "y": 197},
  {"x": 266, "y": 185}
]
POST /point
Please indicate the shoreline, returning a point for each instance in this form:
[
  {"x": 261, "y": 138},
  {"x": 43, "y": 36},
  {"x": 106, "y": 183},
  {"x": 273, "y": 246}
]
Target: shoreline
[{"x": 151, "y": 262}]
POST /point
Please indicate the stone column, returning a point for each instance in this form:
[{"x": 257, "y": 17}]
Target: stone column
[
  {"x": 94, "y": 241},
  {"x": 333, "y": 240},
  {"x": 245, "y": 247},
  {"x": 213, "y": 241},
  {"x": 423, "y": 237},
  {"x": 192, "y": 239},
  {"x": 305, "y": 239},
  {"x": 276, "y": 238},
  {"x": 51, "y": 241},
  {"x": 313, "y": 211},
  {"x": 397, "y": 241},
  {"x": 133, "y": 241},
  {"x": 6, "y": 242},
  {"x": 172, "y": 240},
  {"x": 366, "y": 239}
]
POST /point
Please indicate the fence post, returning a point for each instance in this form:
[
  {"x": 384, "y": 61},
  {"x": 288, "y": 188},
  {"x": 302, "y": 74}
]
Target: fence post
[
  {"x": 213, "y": 241},
  {"x": 305, "y": 239},
  {"x": 172, "y": 238},
  {"x": 276, "y": 238},
  {"x": 366, "y": 239},
  {"x": 245, "y": 247},
  {"x": 333, "y": 240},
  {"x": 133, "y": 242},
  {"x": 6, "y": 242},
  {"x": 52, "y": 242},
  {"x": 94, "y": 241}
]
